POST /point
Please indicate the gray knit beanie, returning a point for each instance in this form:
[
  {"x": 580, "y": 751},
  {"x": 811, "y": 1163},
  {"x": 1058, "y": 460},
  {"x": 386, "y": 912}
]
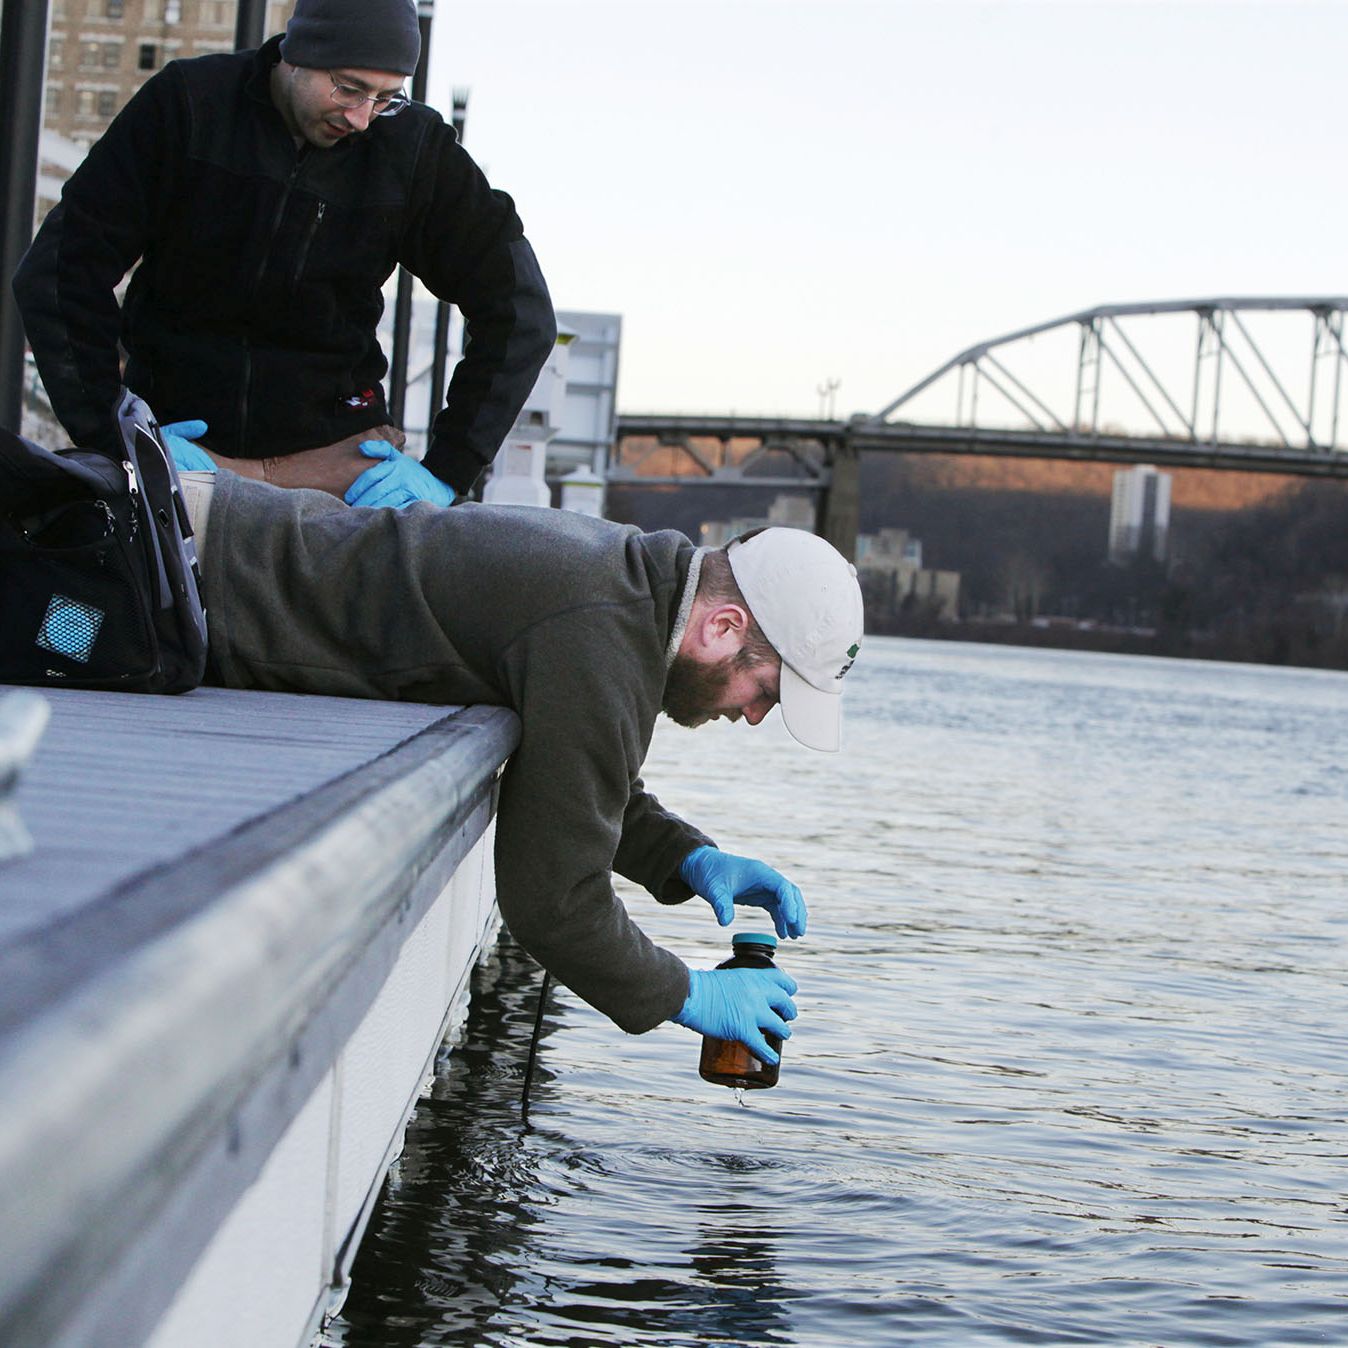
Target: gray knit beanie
[{"x": 353, "y": 35}]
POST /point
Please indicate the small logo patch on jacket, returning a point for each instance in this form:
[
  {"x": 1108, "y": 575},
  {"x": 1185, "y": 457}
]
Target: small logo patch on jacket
[{"x": 358, "y": 402}]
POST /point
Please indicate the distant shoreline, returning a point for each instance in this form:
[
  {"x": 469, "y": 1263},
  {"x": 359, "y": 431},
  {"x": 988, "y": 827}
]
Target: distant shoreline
[{"x": 1270, "y": 647}]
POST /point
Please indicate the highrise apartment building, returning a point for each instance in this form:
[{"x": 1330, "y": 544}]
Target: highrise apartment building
[
  {"x": 99, "y": 52},
  {"x": 1139, "y": 516}
]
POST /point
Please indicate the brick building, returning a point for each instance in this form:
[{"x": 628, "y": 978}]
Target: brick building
[{"x": 99, "y": 52}]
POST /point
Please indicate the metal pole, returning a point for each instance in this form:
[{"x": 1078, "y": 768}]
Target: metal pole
[
  {"x": 23, "y": 57},
  {"x": 1081, "y": 380},
  {"x": 440, "y": 344},
  {"x": 402, "y": 304},
  {"x": 1320, "y": 322},
  {"x": 1337, "y": 333},
  {"x": 1198, "y": 372},
  {"x": 402, "y": 330},
  {"x": 1146, "y": 369},
  {"x": 439, "y": 359},
  {"x": 1249, "y": 383},
  {"x": 1099, "y": 376},
  {"x": 250, "y": 24},
  {"x": 1037, "y": 401},
  {"x": 1128, "y": 379},
  {"x": 1217, "y": 323},
  {"x": 1088, "y": 358}
]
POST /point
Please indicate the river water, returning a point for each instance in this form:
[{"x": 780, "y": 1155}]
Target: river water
[{"x": 1070, "y": 1062}]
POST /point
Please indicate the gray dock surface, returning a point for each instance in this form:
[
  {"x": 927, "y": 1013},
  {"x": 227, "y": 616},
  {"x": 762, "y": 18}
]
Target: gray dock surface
[{"x": 123, "y": 783}]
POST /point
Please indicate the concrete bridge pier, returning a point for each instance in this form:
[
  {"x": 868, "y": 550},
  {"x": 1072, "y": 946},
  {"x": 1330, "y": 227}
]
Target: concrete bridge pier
[
  {"x": 840, "y": 502},
  {"x": 825, "y": 454}
]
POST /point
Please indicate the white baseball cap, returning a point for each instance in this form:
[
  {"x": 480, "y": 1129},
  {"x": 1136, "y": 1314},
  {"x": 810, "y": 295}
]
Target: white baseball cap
[{"x": 804, "y": 595}]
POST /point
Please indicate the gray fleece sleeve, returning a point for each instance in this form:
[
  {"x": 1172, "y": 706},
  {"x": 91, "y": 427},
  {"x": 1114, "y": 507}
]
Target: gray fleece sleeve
[
  {"x": 563, "y": 799},
  {"x": 654, "y": 842}
]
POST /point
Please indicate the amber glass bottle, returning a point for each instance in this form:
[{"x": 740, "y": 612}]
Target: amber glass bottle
[{"x": 726, "y": 1061}]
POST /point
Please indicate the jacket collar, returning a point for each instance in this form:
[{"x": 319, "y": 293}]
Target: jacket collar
[
  {"x": 267, "y": 55},
  {"x": 686, "y": 597}
]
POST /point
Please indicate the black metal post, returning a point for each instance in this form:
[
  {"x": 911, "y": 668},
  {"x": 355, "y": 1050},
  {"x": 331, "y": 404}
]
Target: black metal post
[
  {"x": 402, "y": 339},
  {"x": 250, "y": 24},
  {"x": 23, "y": 58},
  {"x": 439, "y": 359},
  {"x": 402, "y": 304},
  {"x": 440, "y": 347}
]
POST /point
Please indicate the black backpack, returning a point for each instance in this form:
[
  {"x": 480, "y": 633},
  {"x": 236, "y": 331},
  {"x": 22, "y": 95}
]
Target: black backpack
[{"x": 99, "y": 586}]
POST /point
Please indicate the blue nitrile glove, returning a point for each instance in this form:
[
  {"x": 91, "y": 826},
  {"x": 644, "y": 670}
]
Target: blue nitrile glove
[
  {"x": 740, "y": 1004},
  {"x": 187, "y": 456},
  {"x": 397, "y": 481},
  {"x": 725, "y": 880}
]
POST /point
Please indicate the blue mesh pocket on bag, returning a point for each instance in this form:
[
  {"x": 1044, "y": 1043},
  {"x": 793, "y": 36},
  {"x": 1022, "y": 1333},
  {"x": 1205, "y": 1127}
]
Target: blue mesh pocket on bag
[{"x": 70, "y": 628}]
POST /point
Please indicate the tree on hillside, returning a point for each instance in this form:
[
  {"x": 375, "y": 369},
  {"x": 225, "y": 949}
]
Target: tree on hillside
[{"x": 1270, "y": 579}]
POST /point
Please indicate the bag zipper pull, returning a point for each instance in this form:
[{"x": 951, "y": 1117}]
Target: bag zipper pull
[{"x": 133, "y": 486}]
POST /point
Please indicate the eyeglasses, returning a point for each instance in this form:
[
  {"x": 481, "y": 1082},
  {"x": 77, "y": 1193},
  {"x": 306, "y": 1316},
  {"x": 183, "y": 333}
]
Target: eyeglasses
[{"x": 348, "y": 96}]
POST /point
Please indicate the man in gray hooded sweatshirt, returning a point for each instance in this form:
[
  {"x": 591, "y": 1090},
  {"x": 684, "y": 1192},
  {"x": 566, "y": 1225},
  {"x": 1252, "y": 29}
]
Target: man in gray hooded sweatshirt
[{"x": 588, "y": 630}]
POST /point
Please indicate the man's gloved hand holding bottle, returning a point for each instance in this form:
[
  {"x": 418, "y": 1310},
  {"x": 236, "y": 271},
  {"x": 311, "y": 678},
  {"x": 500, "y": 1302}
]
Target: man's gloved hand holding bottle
[{"x": 739, "y": 1005}]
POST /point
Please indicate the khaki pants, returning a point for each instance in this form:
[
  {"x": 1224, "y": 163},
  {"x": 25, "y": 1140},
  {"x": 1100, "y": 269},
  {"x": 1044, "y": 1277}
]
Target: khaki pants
[{"x": 197, "y": 489}]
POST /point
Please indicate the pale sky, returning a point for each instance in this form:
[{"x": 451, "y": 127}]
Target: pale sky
[{"x": 774, "y": 193}]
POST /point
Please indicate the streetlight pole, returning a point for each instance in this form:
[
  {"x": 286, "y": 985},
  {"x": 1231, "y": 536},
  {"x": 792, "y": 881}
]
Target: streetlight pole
[
  {"x": 23, "y": 59},
  {"x": 440, "y": 347},
  {"x": 250, "y": 24},
  {"x": 402, "y": 304}
]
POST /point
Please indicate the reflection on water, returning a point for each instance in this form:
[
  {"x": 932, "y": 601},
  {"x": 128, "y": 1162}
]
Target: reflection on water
[
  {"x": 1069, "y": 1067},
  {"x": 457, "y": 1234}
]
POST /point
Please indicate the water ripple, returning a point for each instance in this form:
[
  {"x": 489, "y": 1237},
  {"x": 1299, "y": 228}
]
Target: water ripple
[{"x": 1069, "y": 1067}]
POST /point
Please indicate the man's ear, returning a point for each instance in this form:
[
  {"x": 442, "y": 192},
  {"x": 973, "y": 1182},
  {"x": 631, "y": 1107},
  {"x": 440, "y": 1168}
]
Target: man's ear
[{"x": 722, "y": 629}]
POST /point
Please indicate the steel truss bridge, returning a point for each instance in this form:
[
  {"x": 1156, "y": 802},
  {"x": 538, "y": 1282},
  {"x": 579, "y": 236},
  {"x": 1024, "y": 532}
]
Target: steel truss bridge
[{"x": 1218, "y": 383}]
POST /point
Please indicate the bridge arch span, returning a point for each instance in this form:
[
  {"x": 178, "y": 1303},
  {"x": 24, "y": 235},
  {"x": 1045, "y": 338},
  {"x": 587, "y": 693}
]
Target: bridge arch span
[{"x": 1247, "y": 380}]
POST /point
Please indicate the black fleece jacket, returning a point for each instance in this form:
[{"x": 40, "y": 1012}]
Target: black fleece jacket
[{"x": 258, "y": 293}]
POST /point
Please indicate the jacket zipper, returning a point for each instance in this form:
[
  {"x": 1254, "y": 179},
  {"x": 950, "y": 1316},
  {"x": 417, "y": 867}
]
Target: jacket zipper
[
  {"x": 281, "y": 205},
  {"x": 245, "y": 380},
  {"x": 276, "y": 224},
  {"x": 304, "y": 247}
]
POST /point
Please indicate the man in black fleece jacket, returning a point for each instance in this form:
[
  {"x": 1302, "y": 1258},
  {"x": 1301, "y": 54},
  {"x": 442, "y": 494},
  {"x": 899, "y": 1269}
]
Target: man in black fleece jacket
[
  {"x": 268, "y": 196},
  {"x": 587, "y": 630}
]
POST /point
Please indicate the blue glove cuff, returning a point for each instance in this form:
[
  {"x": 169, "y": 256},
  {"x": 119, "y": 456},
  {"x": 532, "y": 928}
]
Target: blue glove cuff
[
  {"x": 688, "y": 866},
  {"x": 688, "y": 1013}
]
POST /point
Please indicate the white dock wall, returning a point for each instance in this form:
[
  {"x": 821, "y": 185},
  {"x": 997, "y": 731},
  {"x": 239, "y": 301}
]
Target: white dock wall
[
  {"x": 214, "y": 1025},
  {"x": 280, "y": 1259}
]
